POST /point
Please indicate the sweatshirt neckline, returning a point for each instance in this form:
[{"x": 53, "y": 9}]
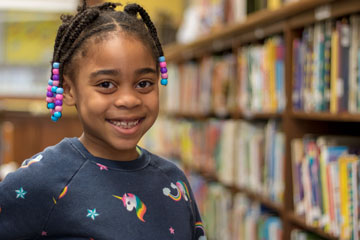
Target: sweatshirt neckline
[{"x": 136, "y": 164}]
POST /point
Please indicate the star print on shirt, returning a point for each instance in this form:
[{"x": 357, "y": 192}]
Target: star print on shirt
[
  {"x": 102, "y": 167},
  {"x": 172, "y": 231},
  {"x": 92, "y": 214},
  {"x": 20, "y": 193}
]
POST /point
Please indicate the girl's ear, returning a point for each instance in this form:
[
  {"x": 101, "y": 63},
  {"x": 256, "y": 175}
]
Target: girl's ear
[{"x": 69, "y": 92}]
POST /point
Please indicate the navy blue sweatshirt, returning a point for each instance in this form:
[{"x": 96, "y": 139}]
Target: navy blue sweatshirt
[{"x": 65, "y": 192}]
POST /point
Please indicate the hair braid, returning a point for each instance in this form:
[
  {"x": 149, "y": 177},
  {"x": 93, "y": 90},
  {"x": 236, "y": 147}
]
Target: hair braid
[
  {"x": 65, "y": 58},
  {"x": 133, "y": 9}
]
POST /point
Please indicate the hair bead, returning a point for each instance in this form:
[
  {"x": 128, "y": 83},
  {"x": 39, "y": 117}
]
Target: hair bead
[
  {"x": 60, "y": 90},
  {"x": 54, "y": 118},
  {"x": 59, "y": 97},
  {"x": 55, "y": 77},
  {"x": 164, "y": 75},
  {"x": 164, "y": 82},
  {"x": 57, "y": 114},
  {"x": 58, "y": 108},
  {"x": 49, "y": 94},
  {"x": 51, "y": 105},
  {"x": 56, "y": 65},
  {"x": 163, "y": 70},
  {"x": 163, "y": 64},
  {"x": 50, "y": 82},
  {"x": 162, "y": 59},
  {"x": 55, "y": 71},
  {"x": 58, "y": 102}
]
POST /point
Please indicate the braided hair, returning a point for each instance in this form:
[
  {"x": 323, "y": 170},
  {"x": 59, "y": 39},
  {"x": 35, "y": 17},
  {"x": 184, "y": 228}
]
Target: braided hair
[{"x": 96, "y": 21}]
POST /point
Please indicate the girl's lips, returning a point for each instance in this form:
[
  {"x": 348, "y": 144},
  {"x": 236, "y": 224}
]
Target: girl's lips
[{"x": 126, "y": 127}]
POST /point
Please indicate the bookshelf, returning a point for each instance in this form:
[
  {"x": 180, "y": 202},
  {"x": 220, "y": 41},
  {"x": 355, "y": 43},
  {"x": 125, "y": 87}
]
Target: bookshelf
[
  {"x": 288, "y": 22},
  {"x": 30, "y": 120}
]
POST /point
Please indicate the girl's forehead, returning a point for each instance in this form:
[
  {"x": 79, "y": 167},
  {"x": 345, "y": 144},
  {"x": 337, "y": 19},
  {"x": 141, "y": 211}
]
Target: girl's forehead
[
  {"x": 120, "y": 50},
  {"x": 117, "y": 41}
]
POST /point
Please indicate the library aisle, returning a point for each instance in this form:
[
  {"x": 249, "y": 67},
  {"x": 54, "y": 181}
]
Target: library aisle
[{"x": 262, "y": 110}]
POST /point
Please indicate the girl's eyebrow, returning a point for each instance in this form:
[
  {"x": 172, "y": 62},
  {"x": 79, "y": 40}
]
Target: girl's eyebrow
[
  {"x": 111, "y": 72},
  {"x": 142, "y": 71}
]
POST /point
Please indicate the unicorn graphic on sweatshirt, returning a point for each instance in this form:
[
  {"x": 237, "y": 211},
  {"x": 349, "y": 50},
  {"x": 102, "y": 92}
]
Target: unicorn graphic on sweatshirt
[
  {"x": 131, "y": 201},
  {"x": 181, "y": 191}
]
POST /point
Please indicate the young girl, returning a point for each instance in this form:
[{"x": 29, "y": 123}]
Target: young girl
[{"x": 102, "y": 186}]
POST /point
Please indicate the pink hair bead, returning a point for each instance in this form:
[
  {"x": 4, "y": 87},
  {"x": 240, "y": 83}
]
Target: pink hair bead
[
  {"x": 164, "y": 75},
  {"x": 52, "y": 111},
  {"x": 49, "y": 88},
  {"x": 49, "y": 99},
  {"x": 58, "y": 108},
  {"x": 59, "y": 97},
  {"x": 163, "y": 64},
  {"x": 55, "y": 83},
  {"x": 55, "y": 71}
]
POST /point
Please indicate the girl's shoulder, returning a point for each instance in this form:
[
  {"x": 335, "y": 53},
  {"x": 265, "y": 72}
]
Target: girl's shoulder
[
  {"x": 49, "y": 169},
  {"x": 63, "y": 153},
  {"x": 171, "y": 169}
]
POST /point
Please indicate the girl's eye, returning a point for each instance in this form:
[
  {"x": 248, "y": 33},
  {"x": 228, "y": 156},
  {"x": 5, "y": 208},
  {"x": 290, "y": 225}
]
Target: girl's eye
[
  {"x": 144, "y": 84},
  {"x": 106, "y": 85}
]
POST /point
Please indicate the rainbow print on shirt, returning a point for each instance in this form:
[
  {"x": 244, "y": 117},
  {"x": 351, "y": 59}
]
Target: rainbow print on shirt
[
  {"x": 131, "y": 201},
  {"x": 181, "y": 191}
]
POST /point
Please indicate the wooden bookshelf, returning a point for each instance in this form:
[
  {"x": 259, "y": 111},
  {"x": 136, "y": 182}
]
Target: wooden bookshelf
[
  {"x": 224, "y": 38},
  {"x": 286, "y": 21},
  {"x": 238, "y": 115},
  {"x": 31, "y": 120},
  {"x": 300, "y": 222},
  {"x": 339, "y": 117},
  {"x": 265, "y": 201}
]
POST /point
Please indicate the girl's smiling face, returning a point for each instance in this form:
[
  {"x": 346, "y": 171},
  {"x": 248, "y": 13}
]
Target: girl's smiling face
[{"x": 115, "y": 91}]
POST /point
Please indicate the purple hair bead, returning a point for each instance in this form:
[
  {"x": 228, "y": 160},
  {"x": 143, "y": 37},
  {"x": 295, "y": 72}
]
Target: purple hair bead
[
  {"x": 49, "y": 94},
  {"x": 55, "y": 77},
  {"x": 163, "y": 70},
  {"x": 58, "y": 103}
]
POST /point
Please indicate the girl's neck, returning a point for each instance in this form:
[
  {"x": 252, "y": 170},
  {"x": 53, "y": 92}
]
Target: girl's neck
[{"x": 100, "y": 149}]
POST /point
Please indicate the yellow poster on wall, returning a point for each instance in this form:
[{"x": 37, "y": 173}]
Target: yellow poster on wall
[{"x": 29, "y": 42}]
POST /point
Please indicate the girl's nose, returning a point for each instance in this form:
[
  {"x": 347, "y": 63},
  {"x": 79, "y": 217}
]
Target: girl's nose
[{"x": 127, "y": 99}]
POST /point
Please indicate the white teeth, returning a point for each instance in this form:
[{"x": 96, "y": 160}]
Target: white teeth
[{"x": 125, "y": 124}]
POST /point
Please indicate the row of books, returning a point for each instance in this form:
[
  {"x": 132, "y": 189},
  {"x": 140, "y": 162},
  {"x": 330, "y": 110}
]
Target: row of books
[
  {"x": 326, "y": 60},
  {"x": 326, "y": 185},
  {"x": 229, "y": 217},
  {"x": 298, "y": 234},
  {"x": 252, "y": 80},
  {"x": 239, "y": 153},
  {"x": 206, "y": 16}
]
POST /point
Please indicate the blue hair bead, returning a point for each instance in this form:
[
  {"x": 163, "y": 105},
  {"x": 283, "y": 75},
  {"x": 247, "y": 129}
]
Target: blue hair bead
[
  {"x": 50, "y": 82},
  {"x": 56, "y": 65},
  {"x": 57, "y": 114},
  {"x": 54, "y": 118},
  {"x": 164, "y": 81},
  {"x": 162, "y": 59},
  {"x": 54, "y": 88},
  {"x": 60, "y": 90},
  {"x": 51, "y": 105}
]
